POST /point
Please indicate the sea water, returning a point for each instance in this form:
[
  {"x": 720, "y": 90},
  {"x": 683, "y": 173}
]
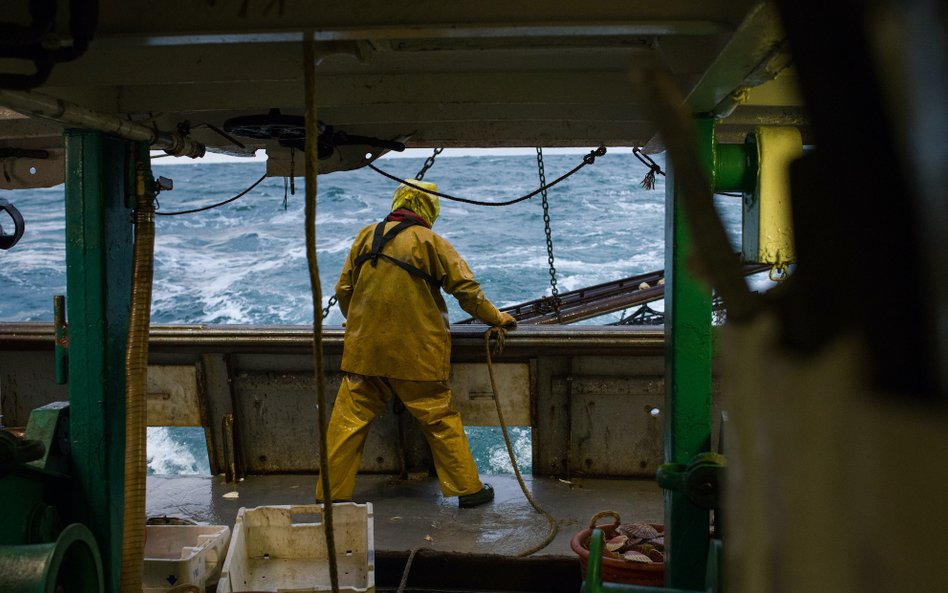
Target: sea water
[{"x": 245, "y": 263}]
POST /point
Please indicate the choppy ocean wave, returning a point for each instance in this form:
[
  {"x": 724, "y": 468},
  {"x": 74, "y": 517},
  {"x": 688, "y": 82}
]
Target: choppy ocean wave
[
  {"x": 245, "y": 262},
  {"x": 176, "y": 451}
]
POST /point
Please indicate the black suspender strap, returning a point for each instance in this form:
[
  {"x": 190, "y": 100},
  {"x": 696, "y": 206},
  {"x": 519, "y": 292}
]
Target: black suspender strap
[{"x": 380, "y": 238}]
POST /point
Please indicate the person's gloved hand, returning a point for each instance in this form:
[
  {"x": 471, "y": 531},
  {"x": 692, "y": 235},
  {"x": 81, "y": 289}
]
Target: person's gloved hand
[{"x": 507, "y": 321}]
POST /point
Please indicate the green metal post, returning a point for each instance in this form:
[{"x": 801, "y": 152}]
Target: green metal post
[
  {"x": 62, "y": 339},
  {"x": 687, "y": 382},
  {"x": 98, "y": 282},
  {"x": 734, "y": 167}
]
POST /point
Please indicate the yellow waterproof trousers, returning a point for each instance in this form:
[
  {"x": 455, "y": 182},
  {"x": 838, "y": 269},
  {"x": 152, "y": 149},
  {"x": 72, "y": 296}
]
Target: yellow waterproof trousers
[{"x": 361, "y": 399}]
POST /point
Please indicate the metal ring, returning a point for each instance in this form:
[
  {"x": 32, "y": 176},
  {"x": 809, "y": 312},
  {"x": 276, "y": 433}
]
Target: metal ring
[{"x": 9, "y": 240}]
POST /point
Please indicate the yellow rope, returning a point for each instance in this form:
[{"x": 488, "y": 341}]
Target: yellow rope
[{"x": 501, "y": 335}]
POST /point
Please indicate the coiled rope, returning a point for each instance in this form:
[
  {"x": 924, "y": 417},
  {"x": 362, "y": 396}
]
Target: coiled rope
[{"x": 501, "y": 335}]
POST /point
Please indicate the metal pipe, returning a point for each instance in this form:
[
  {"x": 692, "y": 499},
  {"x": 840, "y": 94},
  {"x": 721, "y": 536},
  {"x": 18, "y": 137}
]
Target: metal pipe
[
  {"x": 729, "y": 104},
  {"x": 291, "y": 339},
  {"x": 73, "y": 115},
  {"x": 227, "y": 439}
]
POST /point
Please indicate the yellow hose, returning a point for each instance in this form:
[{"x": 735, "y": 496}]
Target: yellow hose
[{"x": 136, "y": 369}]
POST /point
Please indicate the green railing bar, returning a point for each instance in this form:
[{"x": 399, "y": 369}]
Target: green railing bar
[
  {"x": 98, "y": 283},
  {"x": 688, "y": 352}
]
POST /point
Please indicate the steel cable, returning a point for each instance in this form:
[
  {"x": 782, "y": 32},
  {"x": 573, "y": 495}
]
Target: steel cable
[
  {"x": 588, "y": 159},
  {"x": 225, "y": 202}
]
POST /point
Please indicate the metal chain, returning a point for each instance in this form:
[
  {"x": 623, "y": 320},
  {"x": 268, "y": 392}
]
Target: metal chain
[
  {"x": 549, "y": 233},
  {"x": 332, "y": 301},
  {"x": 779, "y": 272},
  {"x": 428, "y": 162}
]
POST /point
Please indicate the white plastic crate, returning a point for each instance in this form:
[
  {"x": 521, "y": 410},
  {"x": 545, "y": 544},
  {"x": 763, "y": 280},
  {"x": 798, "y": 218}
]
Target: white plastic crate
[
  {"x": 283, "y": 548},
  {"x": 183, "y": 554}
]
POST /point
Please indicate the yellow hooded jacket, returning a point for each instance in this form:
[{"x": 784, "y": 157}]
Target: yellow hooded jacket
[{"x": 397, "y": 323}]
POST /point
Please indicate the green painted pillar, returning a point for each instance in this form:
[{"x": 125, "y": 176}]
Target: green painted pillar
[
  {"x": 687, "y": 382},
  {"x": 99, "y": 243}
]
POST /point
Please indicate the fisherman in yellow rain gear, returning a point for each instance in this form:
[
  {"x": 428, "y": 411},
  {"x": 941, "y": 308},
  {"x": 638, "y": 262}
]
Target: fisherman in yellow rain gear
[{"x": 397, "y": 342}]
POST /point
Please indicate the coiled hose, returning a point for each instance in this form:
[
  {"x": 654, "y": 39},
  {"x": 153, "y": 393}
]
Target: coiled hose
[{"x": 136, "y": 369}]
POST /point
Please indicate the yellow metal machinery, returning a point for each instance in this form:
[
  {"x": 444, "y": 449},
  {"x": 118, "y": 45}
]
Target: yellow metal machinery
[{"x": 767, "y": 230}]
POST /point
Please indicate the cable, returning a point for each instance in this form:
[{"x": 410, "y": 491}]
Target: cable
[
  {"x": 411, "y": 559},
  {"x": 587, "y": 160},
  {"x": 227, "y": 201},
  {"x": 554, "y": 528}
]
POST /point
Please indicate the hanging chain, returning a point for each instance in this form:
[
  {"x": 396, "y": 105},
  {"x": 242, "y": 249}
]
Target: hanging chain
[
  {"x": 779, "y": 272},
  {"x": 332, "y": 301},
  {"x": 428, "y": 162},
  {"x": 549, "y": 233}
]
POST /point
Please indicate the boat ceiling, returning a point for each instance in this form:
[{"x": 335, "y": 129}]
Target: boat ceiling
[{"x": 492, "y": 73}]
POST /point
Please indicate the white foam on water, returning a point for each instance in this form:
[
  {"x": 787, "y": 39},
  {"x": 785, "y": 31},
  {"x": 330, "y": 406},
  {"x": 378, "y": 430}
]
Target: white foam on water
[
  {"x": 339, "y": 245},
  {"x": 521, "y": 442},
  {"x": 167, "y": 455}
]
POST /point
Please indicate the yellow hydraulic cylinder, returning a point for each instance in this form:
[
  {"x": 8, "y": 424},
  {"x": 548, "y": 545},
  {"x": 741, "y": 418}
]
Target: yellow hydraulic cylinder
[{"x": 767, "y": 224}]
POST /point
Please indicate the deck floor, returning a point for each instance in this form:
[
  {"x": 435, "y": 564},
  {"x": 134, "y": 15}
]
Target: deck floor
[{"x": 411, "y": 514}]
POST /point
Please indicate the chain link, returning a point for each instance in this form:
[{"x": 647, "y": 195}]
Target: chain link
[
  {"x": 549, "y": 233},
  {"x": 428, "y": 162},
  {"x": 779, "y": 272},
  {"x": 332, "y": 301}
]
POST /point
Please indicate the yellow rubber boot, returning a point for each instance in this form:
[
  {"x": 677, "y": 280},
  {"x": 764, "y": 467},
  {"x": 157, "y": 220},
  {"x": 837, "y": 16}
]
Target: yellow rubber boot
[
  {"x": 359, "y": 401},
  {"x": 430, "y": 403}
]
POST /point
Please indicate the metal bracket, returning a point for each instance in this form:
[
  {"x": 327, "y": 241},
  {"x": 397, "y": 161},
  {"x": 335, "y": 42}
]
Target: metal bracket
[{"x": 699, "y": 480}]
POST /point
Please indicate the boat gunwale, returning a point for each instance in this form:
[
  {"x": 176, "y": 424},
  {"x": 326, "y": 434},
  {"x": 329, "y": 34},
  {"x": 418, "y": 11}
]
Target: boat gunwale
[{"x": 259, "y": 338}]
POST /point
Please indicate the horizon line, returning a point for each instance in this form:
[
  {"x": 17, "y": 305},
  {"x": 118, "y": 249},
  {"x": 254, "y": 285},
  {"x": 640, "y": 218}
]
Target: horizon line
[{"x": 260, "y": 156}]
